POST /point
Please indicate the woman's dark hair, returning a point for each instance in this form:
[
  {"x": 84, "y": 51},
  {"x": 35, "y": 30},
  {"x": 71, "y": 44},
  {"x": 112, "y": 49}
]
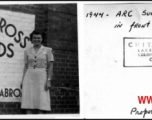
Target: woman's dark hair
[{"x": 37, "y": 33}]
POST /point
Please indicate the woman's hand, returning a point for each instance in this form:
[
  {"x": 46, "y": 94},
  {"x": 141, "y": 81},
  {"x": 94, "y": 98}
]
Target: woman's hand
[{"x": 47, "y": 85}]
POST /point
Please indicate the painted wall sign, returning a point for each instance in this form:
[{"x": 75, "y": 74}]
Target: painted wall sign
[
  {"x": 137, "y": 52},
  {"x": 14, "y": 39}
]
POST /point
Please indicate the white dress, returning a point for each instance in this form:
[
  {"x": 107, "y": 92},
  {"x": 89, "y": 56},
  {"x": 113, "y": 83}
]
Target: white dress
[{"x": 34, "y": 95}]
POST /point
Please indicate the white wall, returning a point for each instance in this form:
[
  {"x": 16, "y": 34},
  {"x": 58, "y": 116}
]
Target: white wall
[{"x": 11, "y": 68}]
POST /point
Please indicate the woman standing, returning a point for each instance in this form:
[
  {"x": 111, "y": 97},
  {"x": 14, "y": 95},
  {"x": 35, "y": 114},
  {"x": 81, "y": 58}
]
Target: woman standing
[{"x": 37, "y": 76}]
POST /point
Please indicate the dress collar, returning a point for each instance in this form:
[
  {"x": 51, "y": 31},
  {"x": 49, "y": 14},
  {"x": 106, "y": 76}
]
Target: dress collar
[{"x": 38, "y": 52}]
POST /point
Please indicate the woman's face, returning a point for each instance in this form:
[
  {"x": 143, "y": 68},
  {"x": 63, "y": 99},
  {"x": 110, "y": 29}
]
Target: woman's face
[{"x": 37, "y": 39}]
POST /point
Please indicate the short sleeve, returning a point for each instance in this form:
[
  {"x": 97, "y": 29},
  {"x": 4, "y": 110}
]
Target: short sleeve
[
  {"x": 50, "y": 55},
  {"x": 25, "y": 57}
]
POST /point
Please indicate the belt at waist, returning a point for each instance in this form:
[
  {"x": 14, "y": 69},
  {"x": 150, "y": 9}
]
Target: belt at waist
[{"x": 36, "y": 68}]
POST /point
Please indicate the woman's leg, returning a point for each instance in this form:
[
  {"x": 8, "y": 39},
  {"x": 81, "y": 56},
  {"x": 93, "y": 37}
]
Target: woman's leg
[
  {"x": 29, "y": 111},
  {"x": 41, "y": 112}
]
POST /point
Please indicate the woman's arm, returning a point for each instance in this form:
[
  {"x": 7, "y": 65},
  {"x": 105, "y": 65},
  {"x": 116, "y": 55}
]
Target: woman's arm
[
  {"x": 50, "y": 70},
  {"x": 49, "y": 75},
  {"x": 24, "y": 71}
]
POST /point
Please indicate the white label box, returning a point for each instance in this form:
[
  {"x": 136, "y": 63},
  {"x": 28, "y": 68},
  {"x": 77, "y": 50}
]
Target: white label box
[{"x": 137, "y": 52}]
